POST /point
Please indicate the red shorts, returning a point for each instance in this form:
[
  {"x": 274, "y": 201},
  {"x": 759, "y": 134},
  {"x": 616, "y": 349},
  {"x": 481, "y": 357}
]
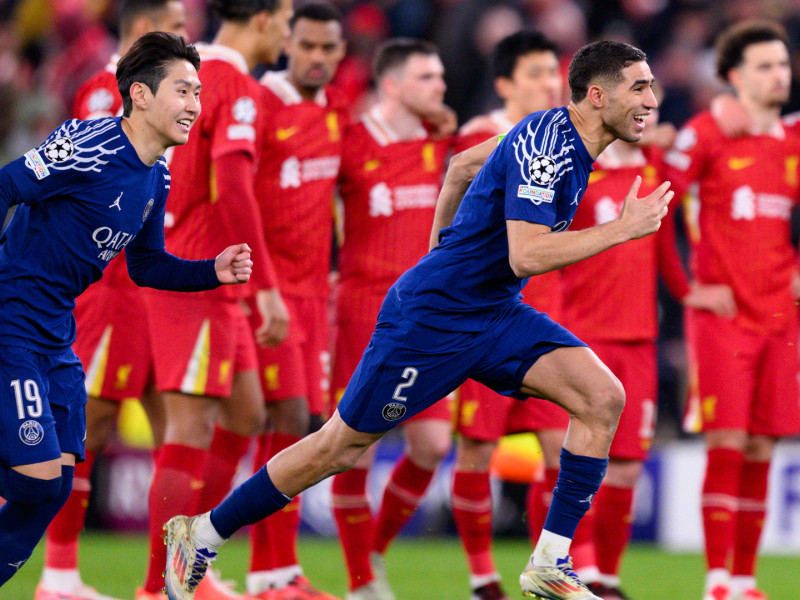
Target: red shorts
[
  {"x": 485, "y": 415},
  {"x": 634, "y": 363},
  {"x": 198, "y": 343},
  {"x": 112, "y": 341},
  {"x": 352, "y": 338},
  {"x": 741, "y": 380},
  {"x": 299, "y": 367}
]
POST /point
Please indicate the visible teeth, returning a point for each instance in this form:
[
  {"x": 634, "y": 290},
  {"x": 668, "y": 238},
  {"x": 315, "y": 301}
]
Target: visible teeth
[
  {"x": 638, "y": 119},
  {"x": 184, "y": 122}
]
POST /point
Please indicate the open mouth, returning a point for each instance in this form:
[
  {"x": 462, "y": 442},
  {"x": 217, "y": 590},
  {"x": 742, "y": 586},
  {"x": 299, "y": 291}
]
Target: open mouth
[
  {"x": 185, "y": 124},
  {"x": 639, "y": 120}
]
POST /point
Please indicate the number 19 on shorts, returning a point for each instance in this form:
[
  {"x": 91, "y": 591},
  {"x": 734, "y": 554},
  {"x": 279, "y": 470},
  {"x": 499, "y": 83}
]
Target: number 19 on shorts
[{"x": 29, "y": 402}]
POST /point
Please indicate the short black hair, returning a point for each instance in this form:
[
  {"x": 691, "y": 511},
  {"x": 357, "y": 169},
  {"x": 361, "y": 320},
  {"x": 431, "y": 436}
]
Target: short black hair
[
  {"x": 322, "y": 12},
  {"x": 242, "y": 10},
  {"x": 732, "y": 42},
  {"x": 130, "y": 10},
  {"x": 148, "y": 60},
  {"x": 395, "y": 52},
  {"x": 600, "y": 60},
  {"x": 511, "y": 48}
]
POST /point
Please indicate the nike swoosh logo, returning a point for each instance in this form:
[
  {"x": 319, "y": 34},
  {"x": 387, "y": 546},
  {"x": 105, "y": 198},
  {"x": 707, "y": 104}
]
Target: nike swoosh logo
[
  {"x": 737, "y": 164},
  {"x": 285, "y": 134}
]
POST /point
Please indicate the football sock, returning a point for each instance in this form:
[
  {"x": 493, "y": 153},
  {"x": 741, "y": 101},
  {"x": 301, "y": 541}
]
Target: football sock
[
  {"x": 175, "y": 489},
  {"x": 540, "y": 494},
  {"x": 612, "y": 526},
  {"x": 750, "y": 517},
  {"x": 226, "y": 450},
  {"x": 355, "y": 523},
  {"x": 472, "y": 511},
  {"x": 719, "y": 501},
  {"x": 22, "y": 525},
  {"x": 283, "y": 525},
  {"x": 61, "y": 542},
  {"x": 256, "y": 499},
  {"x": 579, "y": 478},
  {"x": 401, "y": 498},
  {"x": 260, "y": 549}
]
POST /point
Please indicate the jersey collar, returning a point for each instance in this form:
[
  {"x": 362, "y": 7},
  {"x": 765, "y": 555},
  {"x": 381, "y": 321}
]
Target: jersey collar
[
  {"x": 111, "y": 67},
  {"x": 278, "y": 82},
  {"x": 223, "y": 53},
  {"x": 382, "y": 132}
]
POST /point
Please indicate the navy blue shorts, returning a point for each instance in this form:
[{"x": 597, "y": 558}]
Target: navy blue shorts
[
  {"x": 408, "y": 366},
  {"x": 42, "y": 406}
]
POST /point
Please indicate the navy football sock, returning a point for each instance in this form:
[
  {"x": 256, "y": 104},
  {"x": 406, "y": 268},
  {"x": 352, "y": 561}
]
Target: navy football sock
[
  {"x": 579, "y": 478},
  {"x": 256, "y": 499},
  {"x": 23, "y": 525}
]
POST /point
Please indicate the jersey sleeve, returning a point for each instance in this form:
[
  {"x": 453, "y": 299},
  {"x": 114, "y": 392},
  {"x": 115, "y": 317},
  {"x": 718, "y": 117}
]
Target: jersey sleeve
[
  {"x": 61, "y": 165},
  {"x": 686, "y": 160},
  {"x": 235, "y": 122},
  {"x": 534, "y": 179},
  {"x": 95, "y": 101}
]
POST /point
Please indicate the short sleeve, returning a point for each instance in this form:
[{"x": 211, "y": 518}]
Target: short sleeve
[
  {"x": 685, "y": 161},
  {"x": 236, "y": 122},
  {"x": 534, "y": 179}
]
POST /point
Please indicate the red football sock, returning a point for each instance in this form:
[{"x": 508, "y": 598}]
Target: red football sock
[
  {"x": 582, "y": 548},
  {"x": 61, "y": 544},
  {"x": 226, "y": 450},
  {"x": 260, "y": 550},
  {"x": 283, "y": 525},
  {"x": 472, "y": 511},
  {"x": 401, "y": 498},
  {"x": 750, "y": 517},
  {"x": 720, "y": 493},
  {"x": 355, "y": 523},
  {"x": 612, "y": 526},
  {"x": 540, "y": 495},
  {"x": 175, "y": 490}
]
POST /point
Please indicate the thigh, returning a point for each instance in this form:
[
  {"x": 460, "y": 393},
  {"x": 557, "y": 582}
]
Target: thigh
[
  {"x": 68, "y": 401},
  {"x": 776, "y": 409},
  {"x": 112, "y": 342},
  {"x": 635, "y": 366}
]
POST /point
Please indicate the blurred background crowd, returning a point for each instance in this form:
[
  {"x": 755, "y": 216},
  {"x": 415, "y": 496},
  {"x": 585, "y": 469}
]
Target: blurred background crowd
[{"x": 48, "y": 48}]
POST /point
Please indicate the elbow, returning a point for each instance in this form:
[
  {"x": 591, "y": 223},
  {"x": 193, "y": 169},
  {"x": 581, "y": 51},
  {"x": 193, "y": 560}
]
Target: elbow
[
  {"x": 525, "y": 267},
  {"x": 463, "y": 169}
]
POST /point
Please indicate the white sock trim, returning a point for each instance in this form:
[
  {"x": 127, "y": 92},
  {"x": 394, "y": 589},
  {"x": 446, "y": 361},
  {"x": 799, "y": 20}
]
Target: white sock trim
[
  {"x": 205, "y": 535},
  {"x": 476, "y": 581},
  {"x": 550, "y": 547},
  {"x": 284, "y": 575},
  {"x": 742, "y": 583},
  {"x": 61, "y": 580},
  {"x": 717, "y": 577},
  {"x": 259, "y": 581}
]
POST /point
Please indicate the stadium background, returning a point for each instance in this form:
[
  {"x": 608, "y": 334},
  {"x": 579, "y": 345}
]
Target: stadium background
[{"x": 49, "y": 47}]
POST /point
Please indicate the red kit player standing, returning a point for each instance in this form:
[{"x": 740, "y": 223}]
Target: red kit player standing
[
  {"x": 205, "y": 358},
  {"x": 745, "y": 368},
  {"x": 300, "y": 155},
  {"x": 110, "y": 340},
  {"x": 389, "y": 182}
]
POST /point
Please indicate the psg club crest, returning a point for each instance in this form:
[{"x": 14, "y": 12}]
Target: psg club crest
[
  {"x": 542, "y": 170},
  {"x": 393, "y": 411},
  {"x": 31, "y": 433},
  {"x": 147, "y": 209},
  {"x": 59, "y": 150}
]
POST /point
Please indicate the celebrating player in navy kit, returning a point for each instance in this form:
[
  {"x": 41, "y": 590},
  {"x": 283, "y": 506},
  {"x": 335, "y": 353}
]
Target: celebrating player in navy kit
[
  {"x": 90, "y": 190},
  {"x": 458, "y": 314}
]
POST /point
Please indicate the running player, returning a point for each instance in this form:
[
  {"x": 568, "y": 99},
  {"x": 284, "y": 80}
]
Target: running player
[
  {"x": 301, "y": 151},
  {"x": 204, "y": 353},
  {"x": 389, "y": 182},
  {"x": 92, "y": 189},
  {"x": 110, "y": 340},
  {"x": 744, "y": 369},
  {"x": 510, "y": 225}
]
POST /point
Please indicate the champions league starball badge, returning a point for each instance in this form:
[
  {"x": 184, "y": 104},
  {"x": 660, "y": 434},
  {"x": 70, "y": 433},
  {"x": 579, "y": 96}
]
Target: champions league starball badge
[
  {"x": 59, "y": 150},
  {"x": 543, "y": 170}
]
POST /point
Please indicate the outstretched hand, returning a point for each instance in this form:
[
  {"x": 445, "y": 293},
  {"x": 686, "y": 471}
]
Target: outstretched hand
[
  {"x": 642, "y": 216},
  {"x": 233, "y": 265}
]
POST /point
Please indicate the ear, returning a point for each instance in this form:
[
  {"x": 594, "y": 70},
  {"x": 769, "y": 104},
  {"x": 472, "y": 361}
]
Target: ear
[
  {"x": 504, "y": 87},
  {"x": 261, "y": 21},
  {"x": 735, "y": 78},
  {"x": 389, "y": 85},
  {"x": 140, "y": 95},
  {"x": 597, "y": 95}
]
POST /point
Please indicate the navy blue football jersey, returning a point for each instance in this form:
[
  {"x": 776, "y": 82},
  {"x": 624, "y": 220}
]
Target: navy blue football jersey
[
  {"x": 538, "y": 173},
  {"x": 82, "y": 197}
]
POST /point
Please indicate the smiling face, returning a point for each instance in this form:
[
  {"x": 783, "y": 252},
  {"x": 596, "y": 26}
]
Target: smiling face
[
  {"x": 174, "y": 108},
  {"x": 765, "y": 75},
  {"x": 314, "y": 49},
  {"x": 629, "y": 103}
]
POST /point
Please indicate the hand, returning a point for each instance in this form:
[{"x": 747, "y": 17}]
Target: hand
[
  {"x": 642, "y": 216},
  {"x": 442, "y": 123},
  {"x": 234, "y": 264},
  {"x": 274, "y": 318},
  {"x": 717, "y": 298},
  {"x": 730, "y": 116}
]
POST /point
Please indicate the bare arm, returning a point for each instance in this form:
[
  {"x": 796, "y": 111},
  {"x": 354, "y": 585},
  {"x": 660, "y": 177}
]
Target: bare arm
[
  {"x": 535, "y": 249},
  {"x": 462, "y": 170}
]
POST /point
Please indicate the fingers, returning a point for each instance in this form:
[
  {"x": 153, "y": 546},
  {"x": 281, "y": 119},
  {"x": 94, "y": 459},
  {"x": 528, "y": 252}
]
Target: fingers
[
  {"x": 660, "y": 191},
  {"x": 637, "y": 183}
]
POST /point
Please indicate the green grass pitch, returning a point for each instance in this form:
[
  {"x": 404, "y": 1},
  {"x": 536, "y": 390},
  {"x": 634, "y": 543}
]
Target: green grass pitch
[{"x": 430, "y": 569}]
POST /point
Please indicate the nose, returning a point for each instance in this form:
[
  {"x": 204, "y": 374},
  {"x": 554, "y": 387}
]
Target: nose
[{"x": 650, "y": 99}]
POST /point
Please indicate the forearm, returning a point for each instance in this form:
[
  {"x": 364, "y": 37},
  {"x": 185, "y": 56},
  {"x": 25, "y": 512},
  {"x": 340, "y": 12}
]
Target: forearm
[
  {"x": 164, "y": 271},
  {"x": 548, "y": 251}
]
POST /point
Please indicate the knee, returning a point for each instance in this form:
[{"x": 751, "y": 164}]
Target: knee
[
  {"x": 605, "y": 401},
  {"x": 253, "y": 423},
  {"x": 431, "y": 452},
  {"x": 22, "y": 489}
]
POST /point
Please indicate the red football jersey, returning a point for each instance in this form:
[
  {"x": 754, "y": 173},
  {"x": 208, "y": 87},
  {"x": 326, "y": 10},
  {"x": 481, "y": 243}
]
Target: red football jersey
[
  {"x": 389, "y": 189},
  {"x": 98, "y": 98},
  {"x": 739, "y": 224},
  {"x": 301, "y": 152},
  {"x": 612, "y": 295},
  {"x": 199, "y": 223},
  {"x": 543, "y": 292}
]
